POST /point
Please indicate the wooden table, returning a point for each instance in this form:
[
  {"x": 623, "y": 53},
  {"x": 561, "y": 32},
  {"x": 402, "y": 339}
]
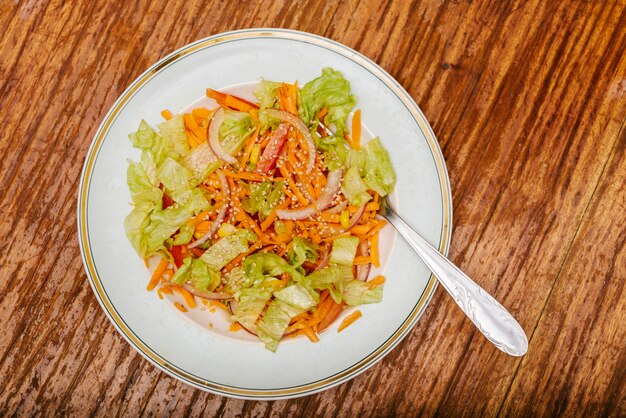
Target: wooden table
[{"x": 528, "y": 101}]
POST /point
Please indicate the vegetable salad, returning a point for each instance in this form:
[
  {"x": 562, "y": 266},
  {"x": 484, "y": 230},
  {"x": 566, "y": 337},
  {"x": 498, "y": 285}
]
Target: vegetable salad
[{"x": 268, "y": 207}]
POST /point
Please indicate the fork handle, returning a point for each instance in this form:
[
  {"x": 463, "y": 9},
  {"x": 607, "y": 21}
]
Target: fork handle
[{"x": 489, "y": 316}]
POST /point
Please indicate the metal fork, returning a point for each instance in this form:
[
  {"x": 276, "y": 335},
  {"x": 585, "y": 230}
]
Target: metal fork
[{"x": 489, "y": 316}]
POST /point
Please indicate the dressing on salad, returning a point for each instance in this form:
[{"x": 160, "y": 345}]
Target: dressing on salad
[{"x": 269, "y": 206}]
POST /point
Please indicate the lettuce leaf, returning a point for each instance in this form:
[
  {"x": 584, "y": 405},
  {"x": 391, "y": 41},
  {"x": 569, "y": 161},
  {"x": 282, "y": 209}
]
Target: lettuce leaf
[
  {"x": 184, "y": 235},
  {"x": 175, "y": 179},
  {"x": 250, "y": 306},
  {"x": 261, "y": 266},
  {"x": 265, "y": 92},
  {"x": 354, "y": 188},
  {"x": 288, "y": 303},
  {"x": 236, "y": 128},
  {"x": 135, "y": 224},
  {"x": 356, "y": 292},
  {"x": 199, "y": 273},
  {"x": 142, "y": 189},
  {"x": 264, "y": 197},
  {"x": 332, "y": 278},
  {"x": 302, "y": 250},
  {"x": 173, "y": 133},
  {"x": 344, "y": 251},
  {"x": 164, "y": 223},
  {"x": 227, "y": 248},
  {"x": 379, "y": 173},
  {"x": 144, "y": 137},
  {"x": 331, "y": 91},
  {"x": 201, "y": 162}
]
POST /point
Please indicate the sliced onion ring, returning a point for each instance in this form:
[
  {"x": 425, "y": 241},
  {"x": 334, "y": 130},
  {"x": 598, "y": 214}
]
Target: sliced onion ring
[
  {"x": 339, "y": 208},
  {"x": 207, "y": 295},
  {"x": 220, "y": 215},
  {"x": 214, "y": 137},
  {"x": 297, "y": 123},
  {"x": 362, "y": 271},
  {"x": 329, "y": 191},
  {"x": 356, "y": 217}
]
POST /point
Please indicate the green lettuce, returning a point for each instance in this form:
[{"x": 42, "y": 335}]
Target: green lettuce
[
  {"x": 262, "y": 266},
  {"x": 265, "y": 92},
  {"x": 379, "y": 173},
  {"x": 264, "y": 197},
  {"x": 356, "y": 292},
  {"x": 144, "y": 137},
  {"x": 344, "y": 251},
  {"x": 331, "y": 91},
  {"x": 227, "y": 248},
  {"x": 142, "y": 189},
  {"x": 331, "y": 278},
  {"x": 250, "y": 306},
  {"x": 199, "y": 273},
  {"x": 302, "y": 250},
  {"x": 164, "y": 223},
  {"x": 135, "y": 224},
  {"x": 237, "y": 126},
  {"x": 201, "y": 162},
  {"x": 184, "y": 235},
  {"x": 288, "y": 303},
  {"x": 175, "y": 179},
  {"x": 173, "y": 133},
  {"x": 354, "y": 188}
]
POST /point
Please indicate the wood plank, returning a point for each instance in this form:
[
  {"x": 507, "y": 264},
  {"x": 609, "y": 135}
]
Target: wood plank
[{"x": 527, "y": 100}]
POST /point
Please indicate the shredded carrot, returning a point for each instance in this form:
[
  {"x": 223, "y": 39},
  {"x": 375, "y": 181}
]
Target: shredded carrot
[
  {"x": 220, "y": 305},
  {"x": 167, "y": 274},
  {"x": 322, "y": 114},
  {"x": 190, "y": 300},
  {"x": 376, "y": 281},
  {"x": 334, "y": 237},
  {"x": 311, "y": 334},
  {"x": 374, "y": 250},
  {"x": 296, "y": 191},
  {"x": 159, "y": 293},
  {"x": 198, "y": 218},
  {"x": 378, "y": 225},
  {"x": 360, "y": 229},
  {"x": 356, "y": 129},
  {"x": 349, "y": 320},
  {"x": 235, "y": 326},
  {"x": 315, "y": 236},
  {"x": 201, "y": 114},
  {"x": 167, "y": 115},
  {"x": 235, "y": 261},
  {"x": 180, "y": 307},
  {"x": 286, "y": 94},
  {"x": 247, "y": 175},
  {"x": 330, "y": 217},
  {"x": 361, "y": 260},
  {"x": 166, "y": 290},
  {"x": 156, "y": 276},
  {"x": 272, "y": 216},
  {"x": 192, "y": 125},
  {"x": 230, "y": 101},
  {"x": 145, "y": 261},
  {"x": 372, "y": 206},
  {"x": 248, "y": 148}
]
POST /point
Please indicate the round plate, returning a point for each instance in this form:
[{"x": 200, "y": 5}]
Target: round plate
[{"x": 235, "y": 366}]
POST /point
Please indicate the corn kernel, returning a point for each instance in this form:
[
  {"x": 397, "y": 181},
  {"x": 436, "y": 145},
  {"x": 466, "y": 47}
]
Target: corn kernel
[
  {"x": 255, "y": 154},
  {"x": 345, "y": 219},
  {"x": 225, "y": 230}
]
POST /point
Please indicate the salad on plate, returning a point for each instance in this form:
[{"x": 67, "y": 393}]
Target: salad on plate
[{"x": 267, "y": 207}]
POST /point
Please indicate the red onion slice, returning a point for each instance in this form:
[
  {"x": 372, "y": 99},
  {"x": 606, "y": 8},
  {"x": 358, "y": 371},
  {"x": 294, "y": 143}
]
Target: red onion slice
[
  {"x": 207, "y": 295},
  {"x": 214, "y": 137},
  {"x": 362, "y": 271},
  {"x": 339, "y": 208},
  {"x": 356, "y": 217},
  {"x": 297, "y": 123},
  {"x": 329, "y": 191},
  {"x": 221, "y": 215}
]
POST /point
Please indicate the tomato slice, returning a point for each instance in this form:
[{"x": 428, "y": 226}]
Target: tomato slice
[
  {"x": 272, "y": 149},
  {"x": 177, "y": 253}
]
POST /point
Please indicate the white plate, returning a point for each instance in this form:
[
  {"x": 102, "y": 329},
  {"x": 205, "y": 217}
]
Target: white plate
[{"x": 213, "y": 359}]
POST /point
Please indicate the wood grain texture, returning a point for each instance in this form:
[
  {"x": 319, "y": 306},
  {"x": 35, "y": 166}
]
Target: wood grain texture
[{"x": 528, "y": 101}]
